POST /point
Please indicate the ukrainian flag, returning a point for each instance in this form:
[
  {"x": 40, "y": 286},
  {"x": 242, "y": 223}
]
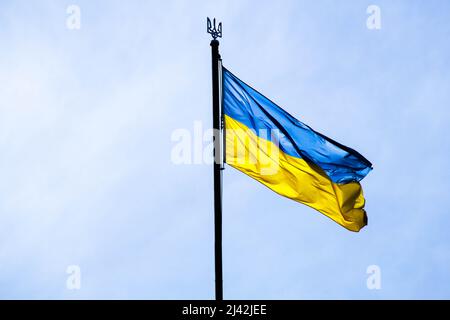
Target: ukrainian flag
[{"x": 271, "y": 146}]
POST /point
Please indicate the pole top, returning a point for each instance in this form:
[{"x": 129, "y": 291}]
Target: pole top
[{"x": 212, "y": 30}]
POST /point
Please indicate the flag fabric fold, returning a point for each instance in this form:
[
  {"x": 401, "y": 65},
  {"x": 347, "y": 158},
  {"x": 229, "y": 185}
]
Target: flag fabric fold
[{"x": 268, "y": 144}]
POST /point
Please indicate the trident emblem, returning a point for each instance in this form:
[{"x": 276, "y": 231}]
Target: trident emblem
[{"x": 211, "y": 28}]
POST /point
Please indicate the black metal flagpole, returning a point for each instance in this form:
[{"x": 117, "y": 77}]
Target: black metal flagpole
[{"x": 217, "y": 123}]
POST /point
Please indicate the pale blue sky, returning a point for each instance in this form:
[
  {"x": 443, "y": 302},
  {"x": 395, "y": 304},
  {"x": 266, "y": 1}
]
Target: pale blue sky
[{"x": 86, "y": 178}]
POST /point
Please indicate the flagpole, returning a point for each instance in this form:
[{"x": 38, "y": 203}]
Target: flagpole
[{"x": 215, "y": 33}]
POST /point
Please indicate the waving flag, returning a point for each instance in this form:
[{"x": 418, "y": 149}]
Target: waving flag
[{"x": 271, "y": 146}]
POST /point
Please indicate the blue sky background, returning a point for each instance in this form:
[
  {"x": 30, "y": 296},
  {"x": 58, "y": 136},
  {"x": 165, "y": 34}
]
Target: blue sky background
[{"x": 86, "y": 177}]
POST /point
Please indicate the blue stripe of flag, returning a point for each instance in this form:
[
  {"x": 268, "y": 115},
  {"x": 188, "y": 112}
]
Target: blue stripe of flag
[{"x": 248, "y": 106}]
